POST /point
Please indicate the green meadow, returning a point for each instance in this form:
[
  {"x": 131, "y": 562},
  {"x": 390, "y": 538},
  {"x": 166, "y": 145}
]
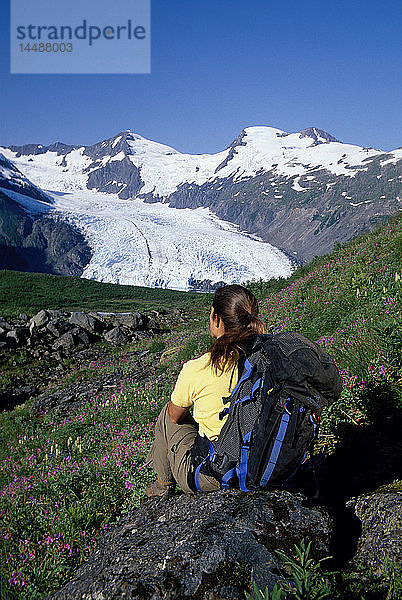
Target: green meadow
[{"x": 29, "y": 292}]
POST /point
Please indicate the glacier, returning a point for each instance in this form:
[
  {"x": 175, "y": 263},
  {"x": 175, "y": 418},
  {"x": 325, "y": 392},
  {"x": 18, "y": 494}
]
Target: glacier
[{"x": 153, "y": 245}]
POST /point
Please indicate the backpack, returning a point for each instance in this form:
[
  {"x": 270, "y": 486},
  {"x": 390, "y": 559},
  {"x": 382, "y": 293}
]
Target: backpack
[{"x": 273, "y": 412}]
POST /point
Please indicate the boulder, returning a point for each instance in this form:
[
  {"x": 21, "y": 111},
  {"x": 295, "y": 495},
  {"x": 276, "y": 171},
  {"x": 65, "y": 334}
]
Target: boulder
[
  {"x": 116, "y": 337},
  {"x": 100, "y": 320},
  {"x": 85, "y": 321},
  {"x": 14, "y": 337},
  {"x": 58, "y": 326},
  {"x": 58, "y": 313},
  {"x": 40, "y": 319},
  {"x": 131, "y": 320},
  {"x": 381, "y": 518},
  {"x": 80, "y": 335},
  {"x": 206, "y": 547},
  {"x": 65, "y": 342}
]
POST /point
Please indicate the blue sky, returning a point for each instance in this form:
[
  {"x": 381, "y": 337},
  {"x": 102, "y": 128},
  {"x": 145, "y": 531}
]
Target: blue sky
[{"x": 220, "y": 66}]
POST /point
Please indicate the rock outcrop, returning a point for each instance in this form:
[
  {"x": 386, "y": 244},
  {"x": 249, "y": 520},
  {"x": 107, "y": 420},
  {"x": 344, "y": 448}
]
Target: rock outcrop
[
  {"x": 61, "y": 332},
  {"x": 207, "y": 547},
  {"x": 212, "y": 546},
  {"x": 54, "y": 335},
  {"x": 381, "y": 518}
]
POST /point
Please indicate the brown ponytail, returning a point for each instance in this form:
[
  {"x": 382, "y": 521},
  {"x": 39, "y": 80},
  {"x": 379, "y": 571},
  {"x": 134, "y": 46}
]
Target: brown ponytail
[{"x": 238, "y": 309}]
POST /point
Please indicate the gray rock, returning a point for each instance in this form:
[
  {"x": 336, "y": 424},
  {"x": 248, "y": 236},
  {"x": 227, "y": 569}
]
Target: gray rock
[
  {"x": 42, "y": 243},
  {"x": 58, "y": 313},
  {"x": 14, "y": 337},
  {"x": 201, "y": 547},
  {"x": 152, "y": 324},
  {"x": 116, "y": 337},
  {"x": 3, "y": 345},
  {"x": 381, "y": 518},
  {"x": 24, "y": 389},
  {"x": 65, "y": 342},
  {"x": 71, "y": 397},
  {"x": 28, "y": 149},
  {"x": 131, "y": 320},
  {"x": 101, "y": 177},
  {"x": 80, "y": 335},
  {"x": 58, "y": 327},
  {"x": 83, "y": 320},
  {"x": 23, "y": 317},
  {"x": 40, "y": 319},
  {"x": 99, "y": 317}
]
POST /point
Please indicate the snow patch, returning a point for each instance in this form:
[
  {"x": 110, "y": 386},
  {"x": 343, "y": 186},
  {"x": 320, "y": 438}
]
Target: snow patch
[
  {"x": 116, "y": 141},
  {"x": 119, "y": 156},
  {"x": 396, "y": 156},
  {"x": 296, "y": 186}
]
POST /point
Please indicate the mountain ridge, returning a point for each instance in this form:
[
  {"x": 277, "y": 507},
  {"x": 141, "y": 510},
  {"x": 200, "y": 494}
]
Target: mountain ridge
[
  {"x": 301, "y": 192},
  {"x": 60, "y": 146}
]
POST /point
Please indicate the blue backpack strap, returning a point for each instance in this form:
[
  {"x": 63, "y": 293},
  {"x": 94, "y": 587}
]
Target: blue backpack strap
[
  {"x": 276, "y": 448},
  {"x": 248, "y": 368},
  {"x": 227, "y": 477},
  {"x": 243, "y": 462},
  {"x": 210, "y": 456},
  {"x": 256, "y": 386},
  {"x": 259, "y": 383}
]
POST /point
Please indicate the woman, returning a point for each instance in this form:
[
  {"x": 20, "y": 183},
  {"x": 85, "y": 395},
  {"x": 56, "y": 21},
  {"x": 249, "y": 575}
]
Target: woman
[{"x": 202, "y": 383}]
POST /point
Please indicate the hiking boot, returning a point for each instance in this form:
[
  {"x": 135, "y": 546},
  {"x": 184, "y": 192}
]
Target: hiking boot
[{"x": 160, "y": 488}]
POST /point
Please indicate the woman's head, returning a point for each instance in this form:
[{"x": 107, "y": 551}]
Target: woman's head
[
  {"x": 237, "y": 307},
  {"x": 234, "y": 316}
]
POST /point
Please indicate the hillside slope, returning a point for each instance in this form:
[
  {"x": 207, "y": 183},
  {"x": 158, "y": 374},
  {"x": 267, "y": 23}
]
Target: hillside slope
[{"x": 66, "y": 478}]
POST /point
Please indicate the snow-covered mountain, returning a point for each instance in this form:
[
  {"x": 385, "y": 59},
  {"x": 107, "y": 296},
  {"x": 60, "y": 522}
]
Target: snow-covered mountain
[
  {"x": 133, "y": 166},
  {"x": 300, "y": 192}
]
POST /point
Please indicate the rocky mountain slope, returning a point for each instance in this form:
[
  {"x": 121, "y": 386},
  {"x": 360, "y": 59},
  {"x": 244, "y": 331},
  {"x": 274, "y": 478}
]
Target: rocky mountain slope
[
  {"x": 12, "y": 180},
  {"x": 31, "y": 240}
]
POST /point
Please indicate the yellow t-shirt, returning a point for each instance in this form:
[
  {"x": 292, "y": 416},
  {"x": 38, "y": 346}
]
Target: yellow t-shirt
[{"x": 199, "y": 385}]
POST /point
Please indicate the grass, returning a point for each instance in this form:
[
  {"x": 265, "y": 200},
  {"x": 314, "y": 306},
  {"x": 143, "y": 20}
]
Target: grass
[
  {"x": 64, "y": 480},
  {"x": 30, "y": 292}
]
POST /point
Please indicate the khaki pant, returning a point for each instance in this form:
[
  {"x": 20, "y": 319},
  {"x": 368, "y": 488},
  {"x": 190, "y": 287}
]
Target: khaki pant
[{"x": 170, "y": 454}]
